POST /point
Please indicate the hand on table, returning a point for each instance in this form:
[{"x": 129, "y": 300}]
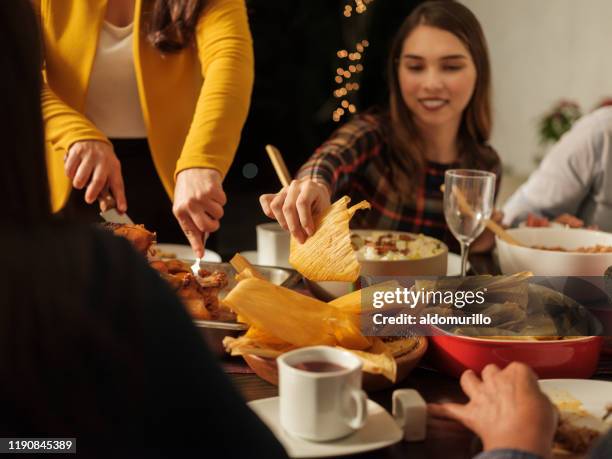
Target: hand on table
[
  {"x": 198, "y": 204},
  {"x": 94, "y": 163},
  {"x": 296, "y": 206},
  {"x": 486, "y": 241},
  {"x": 506, "y": 409}
]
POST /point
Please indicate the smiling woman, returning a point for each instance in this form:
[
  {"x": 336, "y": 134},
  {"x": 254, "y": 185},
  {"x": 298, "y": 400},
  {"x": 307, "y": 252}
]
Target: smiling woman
[{"x": 438, "y": 118}]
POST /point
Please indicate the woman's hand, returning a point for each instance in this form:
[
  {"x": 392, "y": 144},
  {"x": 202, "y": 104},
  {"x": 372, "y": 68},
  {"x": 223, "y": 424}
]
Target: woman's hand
[
  {"x": 296, "y": 205},
  {"x": 507, "y": 409},
  {"x": 94, "y": 163},
  {"x": 198, "y": 204},
  {"x": 486, "y": 241}
]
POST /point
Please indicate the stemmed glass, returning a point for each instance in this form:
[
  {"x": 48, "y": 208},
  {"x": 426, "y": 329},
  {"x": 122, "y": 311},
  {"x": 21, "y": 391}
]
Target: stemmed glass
[{"x": 468, "y": 203}]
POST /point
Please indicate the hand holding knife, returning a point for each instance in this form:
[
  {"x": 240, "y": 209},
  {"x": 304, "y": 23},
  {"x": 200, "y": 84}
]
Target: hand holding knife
[{"x": 108, "y": 209}]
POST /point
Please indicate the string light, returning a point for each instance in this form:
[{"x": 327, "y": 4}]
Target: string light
[{"x": 343, "y": 75}]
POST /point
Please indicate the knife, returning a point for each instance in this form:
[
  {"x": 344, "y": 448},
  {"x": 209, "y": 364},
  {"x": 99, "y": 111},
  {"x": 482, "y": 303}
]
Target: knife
[{"x": 109, "y": 212}]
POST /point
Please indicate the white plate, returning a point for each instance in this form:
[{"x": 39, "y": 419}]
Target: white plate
[
  {"x": 453, "y": 268},
  {"x": 593, "y": 394},
  {"x": 379, "y": 431},
  {"x": 185, "y": 252}
]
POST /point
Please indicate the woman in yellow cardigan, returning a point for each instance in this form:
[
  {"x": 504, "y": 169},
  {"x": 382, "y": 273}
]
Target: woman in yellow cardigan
[{"x": 151, "y": 91}]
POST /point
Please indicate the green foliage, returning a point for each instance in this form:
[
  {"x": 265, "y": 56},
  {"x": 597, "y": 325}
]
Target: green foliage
[{"x": 558, "y": 121}]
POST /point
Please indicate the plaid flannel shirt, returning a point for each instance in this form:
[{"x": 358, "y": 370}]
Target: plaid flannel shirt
[{"x": 356, "y": 161}]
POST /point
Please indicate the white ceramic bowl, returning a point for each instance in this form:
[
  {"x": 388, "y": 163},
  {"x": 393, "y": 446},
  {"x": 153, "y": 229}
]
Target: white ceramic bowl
[
  {"x": 435, "y": 265},
  {"x": 514, "y": 259}
]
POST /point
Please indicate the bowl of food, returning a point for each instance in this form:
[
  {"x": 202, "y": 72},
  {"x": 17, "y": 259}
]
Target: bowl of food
[
  {"x": 388, "y": 253},
  {"x": 553, "y": 334},
  {"x": 407, "y": 353},
  {"x": 560, "y": 358},
  {"x": 556, "y": 252}
]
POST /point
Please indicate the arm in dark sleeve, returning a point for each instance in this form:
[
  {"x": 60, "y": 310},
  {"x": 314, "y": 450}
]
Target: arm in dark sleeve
[{"x": 341, "y": 158}]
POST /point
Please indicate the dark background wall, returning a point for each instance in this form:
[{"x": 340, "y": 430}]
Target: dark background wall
[{"x": 295, "y": 43}]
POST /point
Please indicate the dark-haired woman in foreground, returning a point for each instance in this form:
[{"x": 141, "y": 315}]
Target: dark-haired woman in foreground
[
  {"x": 439, "y": 118},
  {"x": 93, "y": 345},
  {"x": 146, "y": 98}
]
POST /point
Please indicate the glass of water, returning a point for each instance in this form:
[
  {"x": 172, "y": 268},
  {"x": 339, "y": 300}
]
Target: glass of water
[{"x": 468, "y": 204}]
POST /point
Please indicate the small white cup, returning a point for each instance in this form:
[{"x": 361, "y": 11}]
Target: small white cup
[
  {"x": 321, "y": 405},
  {"x": 272, "y": 245}
]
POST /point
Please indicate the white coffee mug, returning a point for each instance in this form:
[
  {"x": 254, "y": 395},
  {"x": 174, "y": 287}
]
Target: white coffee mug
[
  {"x": 272, "y": 245},
  {"x": 320, "y": 393}
]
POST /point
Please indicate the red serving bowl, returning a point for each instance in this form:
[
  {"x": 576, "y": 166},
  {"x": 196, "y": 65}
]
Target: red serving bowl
[{"x": 568, "y": 358}]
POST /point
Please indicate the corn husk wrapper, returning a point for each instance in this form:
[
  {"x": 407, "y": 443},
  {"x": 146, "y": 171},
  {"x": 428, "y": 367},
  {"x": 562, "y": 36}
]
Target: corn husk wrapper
[
  {"x": 244, "y": 268},
  {"x": 360, "y": 301},
  {"x": 256, "y": 342},
  {"x": 378, "y": 359},
  {"x": 292, "y": 317},
  {"x": 328, "y": 255}
]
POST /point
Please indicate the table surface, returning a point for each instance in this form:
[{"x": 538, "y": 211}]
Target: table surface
[{"x": 444, "y": 440}]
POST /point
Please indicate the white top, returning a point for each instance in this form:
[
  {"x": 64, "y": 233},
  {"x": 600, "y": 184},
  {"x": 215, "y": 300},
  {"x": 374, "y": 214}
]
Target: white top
[
  {"x": 112, "y": 101},
  {"x": 575, "y": 177}
]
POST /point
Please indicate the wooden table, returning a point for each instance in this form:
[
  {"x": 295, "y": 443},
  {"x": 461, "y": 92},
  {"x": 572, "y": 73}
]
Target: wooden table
[
  {"x": 441, "y": 441},
  {"x": 444, "y": 440}
]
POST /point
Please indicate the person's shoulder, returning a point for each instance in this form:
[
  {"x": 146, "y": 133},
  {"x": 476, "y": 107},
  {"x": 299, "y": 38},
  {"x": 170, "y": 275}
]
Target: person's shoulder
[
  {"x": 368, "y": 125},
  {"x": 598, "y": 121}
]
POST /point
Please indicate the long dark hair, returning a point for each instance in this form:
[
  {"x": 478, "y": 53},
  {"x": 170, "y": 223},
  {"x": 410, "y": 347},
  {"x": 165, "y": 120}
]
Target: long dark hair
[
  {"x": 475, "y": 128},
  {"x": 171, "y": 24},
  {"x": 24, "y": 189}
]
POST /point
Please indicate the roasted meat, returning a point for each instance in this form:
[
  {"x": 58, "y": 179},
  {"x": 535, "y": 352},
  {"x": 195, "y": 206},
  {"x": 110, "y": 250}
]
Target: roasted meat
[
  {"x": 138, "y": 235},
  {"x": 199, "y": 293}
]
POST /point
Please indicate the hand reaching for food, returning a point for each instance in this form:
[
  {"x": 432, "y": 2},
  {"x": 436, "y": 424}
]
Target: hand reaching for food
[
  {"x": 198, "y": 204},
  {"x": 506, "y": 409},
  {"x": 296, "y": 206},
  {"x": 93, "y": 163}
]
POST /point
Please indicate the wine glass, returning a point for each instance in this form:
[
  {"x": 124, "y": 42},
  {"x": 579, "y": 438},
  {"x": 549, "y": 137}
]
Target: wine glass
[{"x": 468, "y": 203}]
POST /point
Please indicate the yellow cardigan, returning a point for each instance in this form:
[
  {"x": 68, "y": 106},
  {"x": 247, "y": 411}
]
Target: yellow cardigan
[{"x": 194, "y": 102}]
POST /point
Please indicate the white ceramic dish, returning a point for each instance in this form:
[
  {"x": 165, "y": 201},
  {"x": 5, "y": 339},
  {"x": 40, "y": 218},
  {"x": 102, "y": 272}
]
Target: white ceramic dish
[
  {"x": 185, "y": 252},
  {"x": 513, "y": 259},
  {"x": 453, "y": 266},
  {"x": 379, "y": 431},
  {"x": 330, "y": 290},
  {"x": 593, "y": 394}
]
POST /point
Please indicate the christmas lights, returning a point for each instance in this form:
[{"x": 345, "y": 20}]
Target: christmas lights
[{"x": 353, "y": 66}]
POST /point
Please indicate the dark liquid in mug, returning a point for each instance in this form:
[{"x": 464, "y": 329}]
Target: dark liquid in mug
[{"x": 317, "y": 366}]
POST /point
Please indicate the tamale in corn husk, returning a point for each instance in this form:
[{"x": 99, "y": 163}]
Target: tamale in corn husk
[
  {"x": 361, "y": 300},
  {"x": 292, "y": 317},
  {"x": 328, "y": 255},
  {"x": 256, "y": 342}
]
